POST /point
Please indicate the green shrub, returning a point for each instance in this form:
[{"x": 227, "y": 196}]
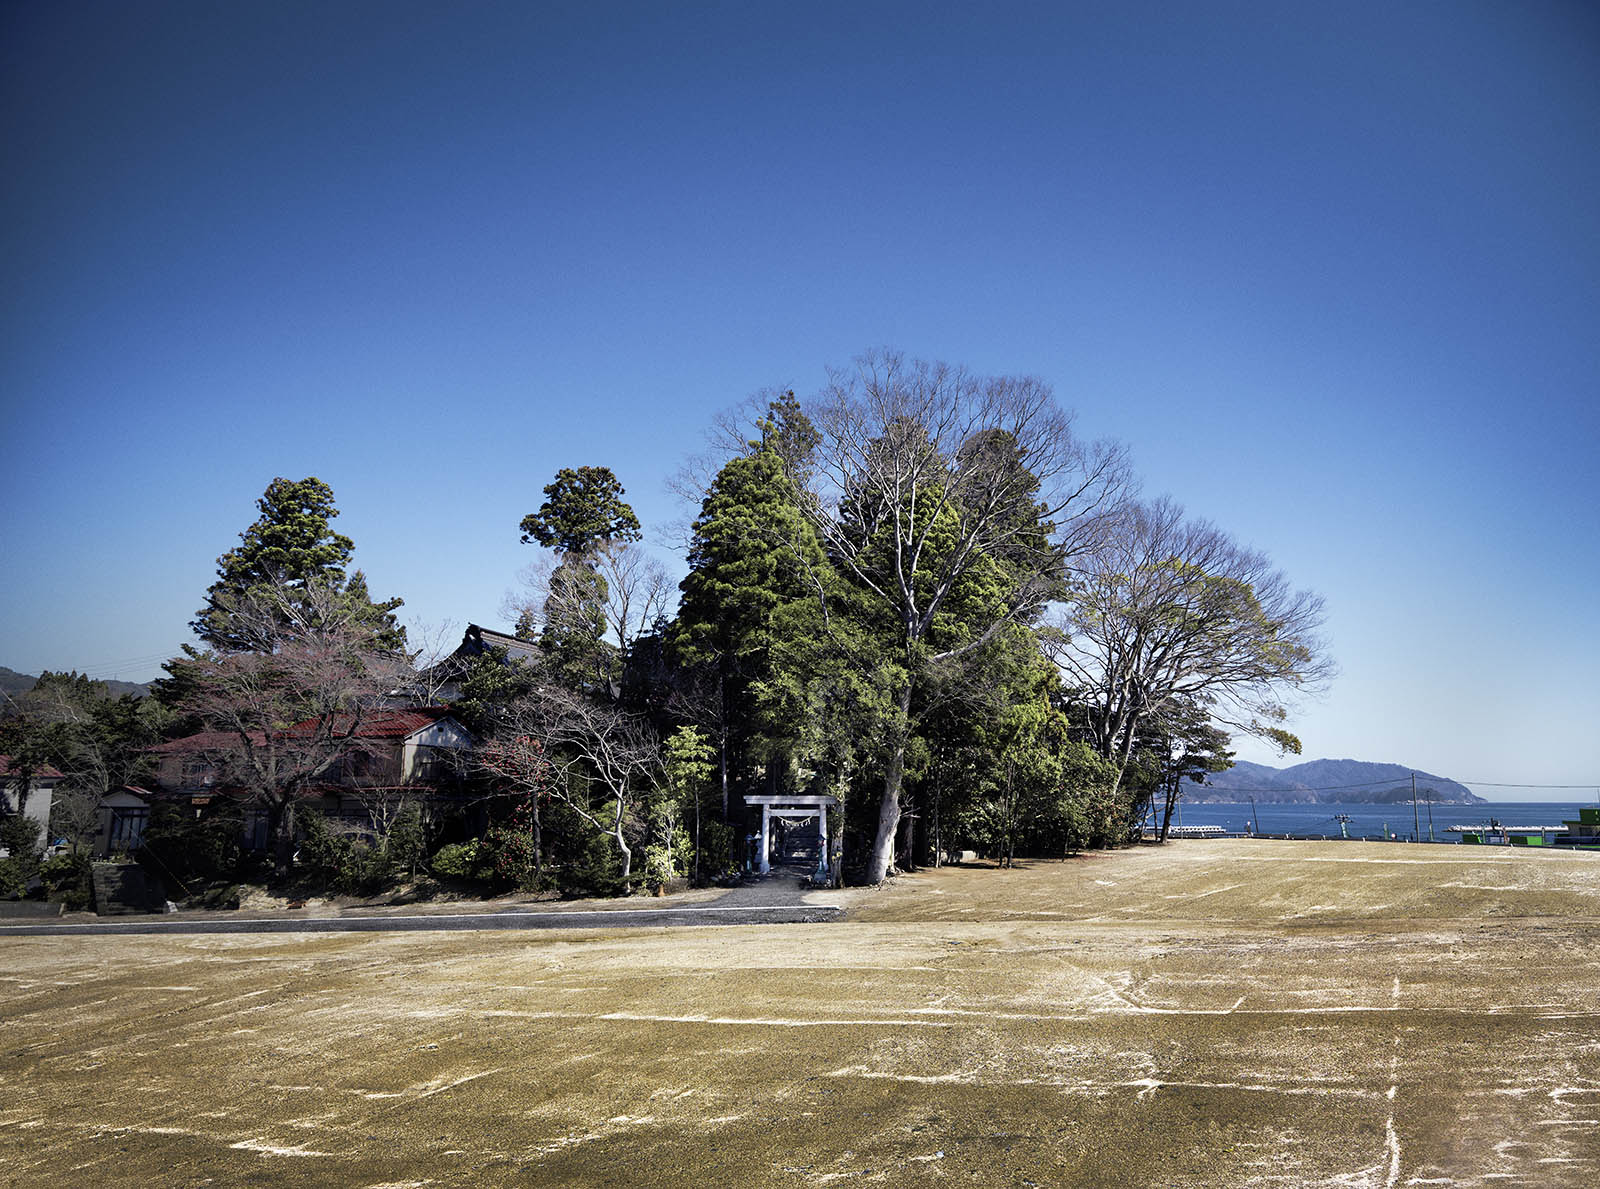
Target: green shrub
[
  {"x": 195, "y": 850},
  {"x": 407, "y": 843},
  {"x": 338, "y": 862},
  {"x": 509, "y": 857},
  {"x": 668, "y": 859},
  {"x": 717, "y": 857},
  {"x": 67, "y": 881},
  {"x": 459, "y": 860},
  {"x": 593, "y": 869},
  {"x": 20, "y": 836}
]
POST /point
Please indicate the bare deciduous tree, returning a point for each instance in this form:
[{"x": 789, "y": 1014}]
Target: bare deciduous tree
[
  {"x": 924, "y": 473},
  {"x": 632, "y": 594},
  {"x": 601, "y": 760},
  {"x": 1170, "y": 610},
  {"x": 292, "y": 707},
  {"x": 433, "y": 644}
]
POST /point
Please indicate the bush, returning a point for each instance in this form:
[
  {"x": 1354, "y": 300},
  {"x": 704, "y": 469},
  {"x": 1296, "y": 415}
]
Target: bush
[
  {"x": 717, "y": 857},
  {"x": 20, "y": 836},
  {"x": 407, "y": 843},
  {"x": 195, "y": 850},
  {"x": 67, "y": 881},
  {"x": 509, "y": 857},
  {"x": 339, "y": 862},
  {"x": 594, "y": 868},
  {"x": 459, "y": 860},
  {"x": 667, "y": 859}
]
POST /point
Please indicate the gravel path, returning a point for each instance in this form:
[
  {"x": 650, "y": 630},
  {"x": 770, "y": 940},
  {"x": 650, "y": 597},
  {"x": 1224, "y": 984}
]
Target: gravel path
[{"x": 779, "y": 899}]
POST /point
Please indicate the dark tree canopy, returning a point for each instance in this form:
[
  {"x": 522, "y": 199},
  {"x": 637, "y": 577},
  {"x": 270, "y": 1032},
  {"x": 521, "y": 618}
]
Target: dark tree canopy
[{"x": 582, "y": 508}]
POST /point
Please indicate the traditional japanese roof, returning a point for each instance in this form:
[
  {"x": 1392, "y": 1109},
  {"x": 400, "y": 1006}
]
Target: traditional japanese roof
[
  {"x": 477, "y": 640},
  {"x": 394, "y": 724},
  {"x": 42, "y": 772},
  {"x": 204, "y": 741}
]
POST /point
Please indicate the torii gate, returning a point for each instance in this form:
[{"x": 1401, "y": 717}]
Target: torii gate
[{"x": 793, "y": 805}]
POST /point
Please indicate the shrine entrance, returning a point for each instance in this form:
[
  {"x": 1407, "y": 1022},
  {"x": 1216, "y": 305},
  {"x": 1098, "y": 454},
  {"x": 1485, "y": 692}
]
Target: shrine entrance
[{"x": 794, "y": 829}]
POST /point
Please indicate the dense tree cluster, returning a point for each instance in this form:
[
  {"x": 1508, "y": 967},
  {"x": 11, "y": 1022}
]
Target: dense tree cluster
[{"x": 919, "y": 592}]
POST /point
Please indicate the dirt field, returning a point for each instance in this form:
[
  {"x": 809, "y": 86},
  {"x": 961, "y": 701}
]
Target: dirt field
[{"x": 1210, "y": 1013}]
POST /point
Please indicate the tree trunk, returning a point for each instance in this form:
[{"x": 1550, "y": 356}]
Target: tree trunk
[
  {"x": 882, "y": 858},
  {"x": 280, "y": 828},
  {"x": 724, "y": 753},
  {"x": 907, "y": 850},
  {"x": 538, "y": 842}
]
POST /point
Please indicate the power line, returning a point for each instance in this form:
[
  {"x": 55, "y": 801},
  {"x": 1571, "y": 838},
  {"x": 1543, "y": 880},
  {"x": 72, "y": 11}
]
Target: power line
[{"x": 1593, "y": 785}]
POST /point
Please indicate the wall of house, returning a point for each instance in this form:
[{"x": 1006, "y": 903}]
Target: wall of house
[
  {"x": 40, "y": 796},
  {"x": 123, "y": 817},
  {"x": 421, "y": 747}
]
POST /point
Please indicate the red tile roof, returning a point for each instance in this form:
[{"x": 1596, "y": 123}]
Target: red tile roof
[
  {"x": 204, "y": 741},
  {"x": 43, "y": 772},
  {"x": 397, "y": 724}
]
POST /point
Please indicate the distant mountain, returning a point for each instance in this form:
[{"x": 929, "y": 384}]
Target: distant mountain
[
  {"x": 12, "y": 682},
  {"x": 1329, "y": 782}
]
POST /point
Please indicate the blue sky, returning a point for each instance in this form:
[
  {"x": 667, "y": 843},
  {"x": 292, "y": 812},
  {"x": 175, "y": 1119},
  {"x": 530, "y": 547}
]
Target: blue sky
[{"x": 1332, "y": 273}]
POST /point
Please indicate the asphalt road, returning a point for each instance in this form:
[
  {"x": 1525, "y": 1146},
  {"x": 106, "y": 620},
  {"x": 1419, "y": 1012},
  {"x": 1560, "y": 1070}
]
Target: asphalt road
[{"x": 621, "y": 918}]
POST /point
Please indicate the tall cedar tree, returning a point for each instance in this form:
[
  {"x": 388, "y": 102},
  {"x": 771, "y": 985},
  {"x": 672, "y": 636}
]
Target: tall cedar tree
[
  {"x": 291, "y": 545},
  {"x": 753, "y": 557},
  {"x": 582, "y": 508}
]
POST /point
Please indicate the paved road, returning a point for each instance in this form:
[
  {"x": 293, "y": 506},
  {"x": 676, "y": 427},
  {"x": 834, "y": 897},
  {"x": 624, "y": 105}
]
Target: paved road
[{"x": 611, "y": 918}]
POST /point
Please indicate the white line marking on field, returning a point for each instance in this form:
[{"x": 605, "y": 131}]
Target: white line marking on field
[
  {"x": 1391, "y": 1137},
  {"x": 256, "y": 1145}
]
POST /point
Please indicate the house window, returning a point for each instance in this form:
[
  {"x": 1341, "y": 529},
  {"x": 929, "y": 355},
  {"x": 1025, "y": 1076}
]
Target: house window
[
  {"x": 127, "y": 827},
  {"x": 433, "y": 763},
  {"x": 198, "y": 772},
  {"x": 255, "y": 829}
]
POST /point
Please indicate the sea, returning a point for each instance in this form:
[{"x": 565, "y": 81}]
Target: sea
[{"x": 1375, "y": 821}]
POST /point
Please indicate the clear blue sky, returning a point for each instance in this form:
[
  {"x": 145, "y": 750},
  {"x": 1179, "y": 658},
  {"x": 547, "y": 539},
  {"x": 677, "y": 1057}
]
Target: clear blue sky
[{"x": 1332, "y": 272}]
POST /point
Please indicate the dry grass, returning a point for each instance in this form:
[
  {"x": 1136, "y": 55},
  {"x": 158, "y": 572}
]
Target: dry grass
[{"x": 1209, "y": 1013}]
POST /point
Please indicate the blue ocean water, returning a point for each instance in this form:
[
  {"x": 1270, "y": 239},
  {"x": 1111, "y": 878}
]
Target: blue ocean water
[{"x": 1374, "y": 821}]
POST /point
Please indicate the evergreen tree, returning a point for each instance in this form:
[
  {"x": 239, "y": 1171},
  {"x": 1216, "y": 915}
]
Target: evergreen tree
[
  {"x": 292, "y": 546},
  {"x": 753, "y": 565},
  {"x": 582, "y": 508}
]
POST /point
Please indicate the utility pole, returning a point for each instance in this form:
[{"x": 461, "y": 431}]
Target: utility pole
[
  {"x": 1416, "y": 825},
  {"x": 1430, "y": 817}
]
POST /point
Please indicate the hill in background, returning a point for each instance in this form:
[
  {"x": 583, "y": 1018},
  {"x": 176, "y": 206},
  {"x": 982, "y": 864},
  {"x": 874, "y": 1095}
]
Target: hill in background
[
  {"x": 14, "y": 683},
  {"x": 1329, "y": 782}
]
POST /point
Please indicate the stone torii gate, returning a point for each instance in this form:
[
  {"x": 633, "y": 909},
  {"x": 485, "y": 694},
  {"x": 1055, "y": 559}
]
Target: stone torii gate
[{"x": 794, "y": 806}]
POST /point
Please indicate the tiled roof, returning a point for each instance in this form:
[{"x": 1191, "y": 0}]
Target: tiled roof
[
  {"x": 478, "y": 639},
  {"x": 204, "y": 741},
  {"x": 394, "y": 724},
  {"x": 43, "y": 772}
]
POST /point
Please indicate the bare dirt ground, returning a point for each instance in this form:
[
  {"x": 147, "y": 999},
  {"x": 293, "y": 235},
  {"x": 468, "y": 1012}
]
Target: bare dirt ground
[{"x": 1207, "y": 1013}]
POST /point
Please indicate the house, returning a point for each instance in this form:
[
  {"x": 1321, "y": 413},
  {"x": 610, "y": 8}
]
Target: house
[
  {"x": 35, "y": 804},
  {"x": 444, "y": 679},
  {"x": 400, "y": 754},
  {"x": 123, "y": 816}
]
